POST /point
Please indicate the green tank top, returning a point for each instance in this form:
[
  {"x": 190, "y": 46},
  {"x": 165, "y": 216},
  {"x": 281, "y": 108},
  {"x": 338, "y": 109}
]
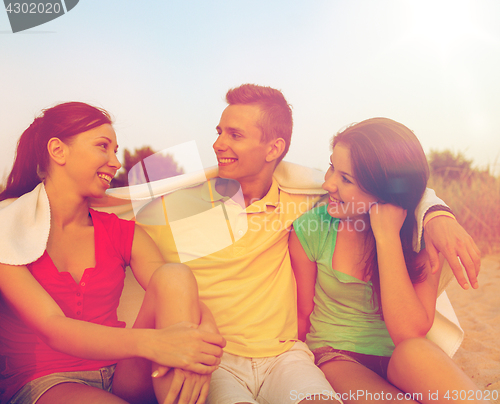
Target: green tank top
[{"x": 344, "y": 316}]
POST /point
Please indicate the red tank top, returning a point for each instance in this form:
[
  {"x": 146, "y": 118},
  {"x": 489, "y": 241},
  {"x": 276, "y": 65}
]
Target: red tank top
[{"x": 95, "y": 298}]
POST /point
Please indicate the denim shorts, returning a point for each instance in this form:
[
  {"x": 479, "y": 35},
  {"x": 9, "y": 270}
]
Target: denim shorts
[
  {"x": 33, "y": 390},
  {"x": 377, "y": 364}
]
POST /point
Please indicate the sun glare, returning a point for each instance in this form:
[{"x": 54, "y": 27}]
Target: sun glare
[{"x": 442, "y": 23}]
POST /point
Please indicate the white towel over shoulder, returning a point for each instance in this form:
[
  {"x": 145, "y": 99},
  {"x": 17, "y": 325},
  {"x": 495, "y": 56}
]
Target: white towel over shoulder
[{"x": 25, "y": 224}]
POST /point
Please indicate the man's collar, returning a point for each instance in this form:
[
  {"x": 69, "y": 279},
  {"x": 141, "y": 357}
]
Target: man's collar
[
  {"x": 229, "y": 189},
  {"x": 272, "y": 198},
  {"x": 210, "y": 194}
]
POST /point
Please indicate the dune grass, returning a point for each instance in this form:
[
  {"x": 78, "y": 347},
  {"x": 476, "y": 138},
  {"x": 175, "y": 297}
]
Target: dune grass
[{"x": 472, "y": 194}]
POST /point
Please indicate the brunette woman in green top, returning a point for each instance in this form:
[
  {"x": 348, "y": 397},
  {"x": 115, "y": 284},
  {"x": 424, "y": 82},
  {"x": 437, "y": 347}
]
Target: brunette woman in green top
[{"x": 366, "y": 299}]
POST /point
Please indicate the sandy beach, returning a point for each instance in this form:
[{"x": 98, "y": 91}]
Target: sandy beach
[{"x": 478, "y": 312}]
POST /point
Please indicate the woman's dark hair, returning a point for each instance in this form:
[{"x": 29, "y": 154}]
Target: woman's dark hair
[
  {"x": 388, "y": 162},
  {"x": 32, "y": 158}
]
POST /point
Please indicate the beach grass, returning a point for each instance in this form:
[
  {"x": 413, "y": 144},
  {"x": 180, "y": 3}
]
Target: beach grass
[{"x": 473, "y": 195}]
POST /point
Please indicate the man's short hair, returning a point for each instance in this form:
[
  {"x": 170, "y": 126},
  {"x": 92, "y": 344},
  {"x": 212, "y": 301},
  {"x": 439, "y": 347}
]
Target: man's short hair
[{"x": 276, "y": 114}]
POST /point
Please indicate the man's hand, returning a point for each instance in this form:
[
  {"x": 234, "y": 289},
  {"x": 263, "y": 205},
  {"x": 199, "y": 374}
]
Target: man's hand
[
  {"x": 188, "y": 387},
  {"x": 445, "y": 235}
]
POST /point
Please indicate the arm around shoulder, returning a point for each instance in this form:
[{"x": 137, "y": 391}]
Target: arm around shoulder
[{"x": 445, "y": 235}]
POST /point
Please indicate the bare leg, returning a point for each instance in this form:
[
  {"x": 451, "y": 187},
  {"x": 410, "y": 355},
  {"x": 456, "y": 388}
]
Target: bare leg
[
  {"x": 171, "y": 297},
  {"x": 76, "y": 393},
  {"x": 418, "y": 365},
  {"x": 358, "y": 384}
]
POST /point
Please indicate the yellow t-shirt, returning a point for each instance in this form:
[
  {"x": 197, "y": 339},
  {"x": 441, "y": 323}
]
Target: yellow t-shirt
[{"x": 239, "y": 258}]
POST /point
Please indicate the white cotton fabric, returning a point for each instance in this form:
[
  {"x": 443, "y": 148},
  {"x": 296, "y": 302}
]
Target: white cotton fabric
[{"x": 25, "y": 224}]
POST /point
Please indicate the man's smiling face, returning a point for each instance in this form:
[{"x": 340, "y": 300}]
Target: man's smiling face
[{"x": 240, "y": 153}]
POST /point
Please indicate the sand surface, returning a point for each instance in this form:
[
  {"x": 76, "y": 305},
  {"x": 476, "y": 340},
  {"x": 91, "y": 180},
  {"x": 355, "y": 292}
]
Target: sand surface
[{"x": 479, "y": 314}]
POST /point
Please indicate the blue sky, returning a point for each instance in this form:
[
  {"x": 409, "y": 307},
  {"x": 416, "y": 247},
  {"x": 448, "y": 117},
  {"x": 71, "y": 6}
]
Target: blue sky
[{"x": 162, "y": 69}]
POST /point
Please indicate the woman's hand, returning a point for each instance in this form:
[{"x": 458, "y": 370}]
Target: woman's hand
[
  {"x": 386, "y": 220},
  {"x": 184, "y": 345}
]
